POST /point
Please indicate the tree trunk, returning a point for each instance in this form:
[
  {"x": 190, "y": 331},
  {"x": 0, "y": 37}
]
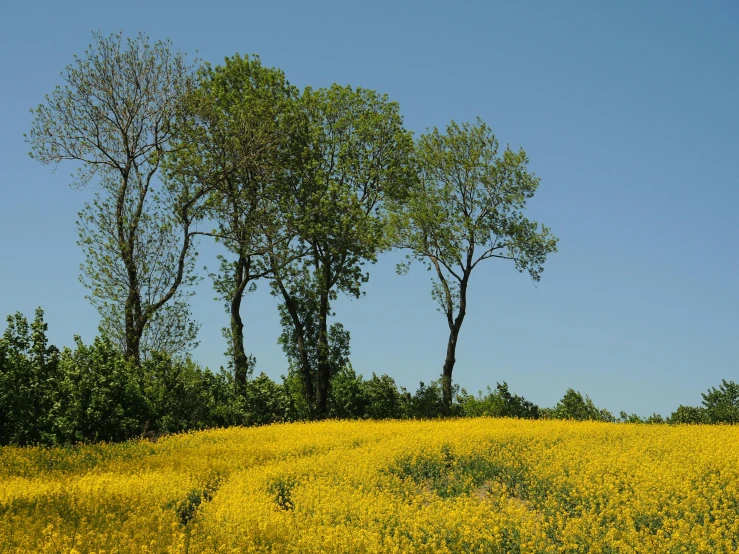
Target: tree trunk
[
  {"x": 241, "y": 364},
  {"x": 324, "y": 369},
  {"x": 446, "y": 374},
  {"x": 305, "y": 369},
  {"x": 451, "y": 349},
  {"x": 134, "y": 327}
]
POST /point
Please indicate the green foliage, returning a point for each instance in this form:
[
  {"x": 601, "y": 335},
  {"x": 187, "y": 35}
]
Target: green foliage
[
  {"x": 281, "y": 491},
  {"x": 241, "y": 137},
  {"x": 451, "y": 475},
  {"x": 94, "y": 393},
  {"x": 29, "y": 379},
  {"x": 178, "y": 394},
  {"x": 384, "y": 399},
  {"x": 298, "y": 407},
  {"x": 102, "y": 393},
  {"x": 156, "y": 243},
  {"x": 306, "y": 306},
  {"x": 265, "y": 402},
  {"x": 361, "y": 156},
  {"x": 634, "y": 418},
  {"x": 689, "y": 414},
  {"x": 469, "y": 202},
  {"x": 498, "y": 403},
  {"x": 347, "y": 398},
  {"x": 357, "y": 155},
  {"x": 114, "y": 117},
  {"x": 722, "y": 404},
  {"x": 574, "y": 406},
  {"x": 428, "y": 402},
  {"x": 188, "y": 507}
]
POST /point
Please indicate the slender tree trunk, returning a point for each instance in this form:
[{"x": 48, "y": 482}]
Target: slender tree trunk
[
  {"x": 135, "y": 316},
  {"x": 241, "y": 364},
  {"x": 324, "y": 369},
  {"x": 451, "y": 349},
  {"x": 305, "y": 369},
  {"x": 134, "y": 327},
  {"x": 446, "y": 374}
]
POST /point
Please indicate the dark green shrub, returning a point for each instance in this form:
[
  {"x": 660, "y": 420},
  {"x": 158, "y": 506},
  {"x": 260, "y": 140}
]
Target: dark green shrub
[
  {"x": 689, "y": 414},
  {"x": 265, "y": 402},
  {"x": 428, "y": 402},
  {"x": 574, "y": 406},
  {"x": 102, "y": 394},
  {"x": 347, "y": 398},
  {"x": 634, "y": 418},
  {"x": 177, "y": 393},
  {"x": 384, "y": 400},
  {"x": 722, "y": 404},
  {"x": 498, "y": 403},
  {"x": 29, "y": 382}
]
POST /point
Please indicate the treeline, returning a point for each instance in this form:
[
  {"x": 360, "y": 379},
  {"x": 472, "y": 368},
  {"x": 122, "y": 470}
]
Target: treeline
[
  {"x": 94, "y": 393},
  {"x": 303, "y": 189}
]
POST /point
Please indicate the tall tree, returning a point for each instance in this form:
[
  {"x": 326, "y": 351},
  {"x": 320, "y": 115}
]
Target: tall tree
[
  {"x": 241, "y": 133},
  {"x": 299, "y": 316},
  {"x": 114, "y": 116},
  {"x": 359, "y": 154},
  {"x": 467, "y": 207}
]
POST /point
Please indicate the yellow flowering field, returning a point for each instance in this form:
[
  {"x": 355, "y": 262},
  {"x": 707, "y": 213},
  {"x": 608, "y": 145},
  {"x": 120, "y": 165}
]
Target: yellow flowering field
[{"x": 468, "y": 485}]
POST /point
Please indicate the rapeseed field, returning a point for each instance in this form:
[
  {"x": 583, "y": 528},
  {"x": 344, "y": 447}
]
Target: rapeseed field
[{"x": 471, "y": 485}]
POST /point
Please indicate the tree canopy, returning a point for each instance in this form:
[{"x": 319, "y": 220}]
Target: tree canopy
[{"x": 304, "y": 189}]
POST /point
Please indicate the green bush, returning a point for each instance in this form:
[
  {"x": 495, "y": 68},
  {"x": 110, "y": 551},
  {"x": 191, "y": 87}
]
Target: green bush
[
  {"x": 347, "y": 397},
  {"x": 688, "y": 414},
  {"x": 92, "y": 393},
  {"x": 178, "y": 394},
  {"x": 102, "y": 394},
  {"x": 633, "y": 418},
  {"x": 428, "y": 402},
  {"x": 574, "y": 406},
  {"x": 265, "y": 402},
  {"x": 384, "y": 399},
  {"x": 722, "y": 404},
  {"x": 29, "y": 383},
  {"x": 498, "y": 403}
]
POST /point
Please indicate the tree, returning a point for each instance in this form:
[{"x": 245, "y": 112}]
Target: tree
[
  {"x": 498, "y": 403},
  {"x": 240, "y": 134},
  {"x": 574, "y": 406},
  {"x": 722, "y": 404},
  {"x": 114, "y": 116},
  {"x": 689, "y": 414},
  {"x": 358, "y": 156},
  {"x": 384, "y": 400},
  {"x": 467, "y": 207}
]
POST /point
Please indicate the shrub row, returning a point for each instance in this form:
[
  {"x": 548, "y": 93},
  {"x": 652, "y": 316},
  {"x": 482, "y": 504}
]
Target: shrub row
[{"x": 92, "y": 393}]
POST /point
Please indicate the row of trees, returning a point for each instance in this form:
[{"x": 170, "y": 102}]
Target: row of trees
[
  {"x": 303, "y": 188},
  {"x": 93, "y": 393}
]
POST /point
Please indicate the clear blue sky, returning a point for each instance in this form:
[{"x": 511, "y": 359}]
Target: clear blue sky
[{"x": 629, "y": 113}]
